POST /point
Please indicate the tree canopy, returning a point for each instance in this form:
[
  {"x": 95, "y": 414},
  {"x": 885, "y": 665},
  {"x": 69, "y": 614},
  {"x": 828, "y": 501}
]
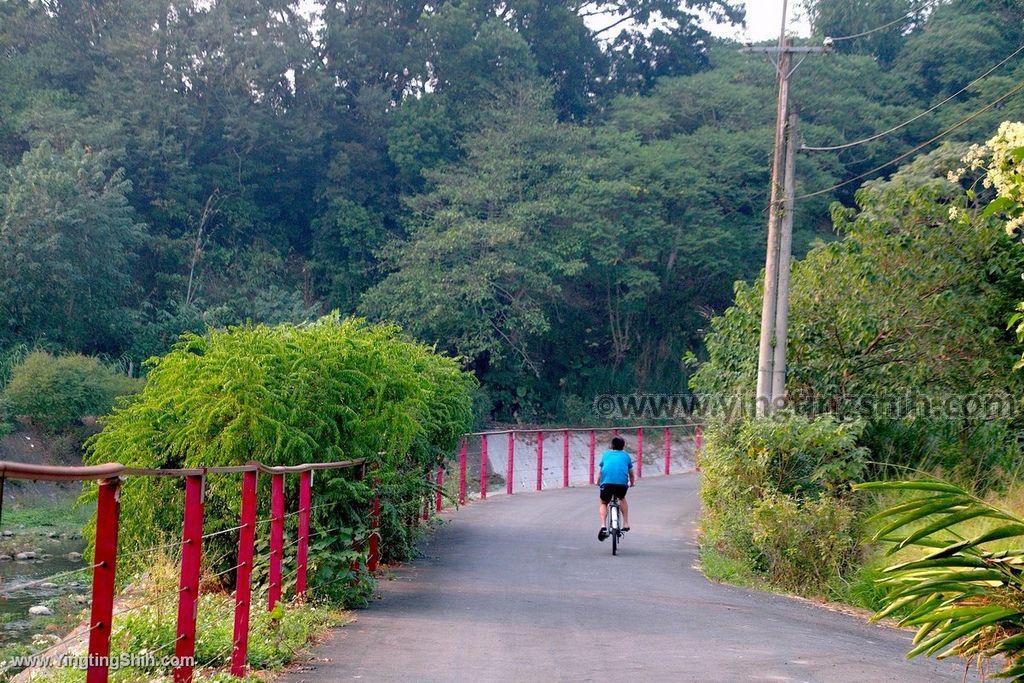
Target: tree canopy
[{"x": 562, "y": 192}]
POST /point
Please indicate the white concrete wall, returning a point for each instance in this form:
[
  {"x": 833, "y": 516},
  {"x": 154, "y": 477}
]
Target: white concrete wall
[{"x": 524, "y": 477}]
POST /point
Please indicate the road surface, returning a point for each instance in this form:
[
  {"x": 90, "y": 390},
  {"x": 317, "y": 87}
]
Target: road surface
[{"x": 519, "y": 589}]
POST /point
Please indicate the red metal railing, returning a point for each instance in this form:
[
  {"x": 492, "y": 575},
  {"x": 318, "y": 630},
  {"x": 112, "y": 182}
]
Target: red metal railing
[
  {"x": 538, "y": 436},
  {"x": 104, "y": 566},
  {"x": 111, "y": 475}
]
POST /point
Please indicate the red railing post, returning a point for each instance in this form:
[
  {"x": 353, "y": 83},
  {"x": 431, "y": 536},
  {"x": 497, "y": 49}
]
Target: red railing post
[
  {"x": 510, "y": 463},
  {"x": 462, "y": 470},
  {"x": 302, "y": 553},
  {"x": 357, "y": 546},
  {"x": 540, "y": 460},
  {"x": 639, "y": 452},
  {"x": 243, "y": 579},
  {"x": 668, "y": 449},
  {"x": 483, "y": 467},
  {"x": 565, "y": 459},
  {"x": 698, "y": 442},
  {"x": 438, "y": 501},
  {"x": 593, "y": 450},
  {"x": 108, "y": 507},
  {"x": 188, "y": 587},
  {"x": 374, "y": 556},
  {"x": 276, "y": 539}
]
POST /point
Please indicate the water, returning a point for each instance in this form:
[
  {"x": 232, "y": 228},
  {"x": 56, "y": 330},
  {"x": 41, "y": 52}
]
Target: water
[{"x": 16, "y": 625}]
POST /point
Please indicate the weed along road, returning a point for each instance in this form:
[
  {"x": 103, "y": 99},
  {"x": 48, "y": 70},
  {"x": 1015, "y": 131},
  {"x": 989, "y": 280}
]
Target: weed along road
[{"x": 519, "y": 589}]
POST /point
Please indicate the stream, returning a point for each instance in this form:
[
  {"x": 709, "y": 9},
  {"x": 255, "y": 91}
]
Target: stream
[{"x": 64, "y": 596}]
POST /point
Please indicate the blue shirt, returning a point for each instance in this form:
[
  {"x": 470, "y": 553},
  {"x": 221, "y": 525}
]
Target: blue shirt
[{"x": 615, "y": 467}]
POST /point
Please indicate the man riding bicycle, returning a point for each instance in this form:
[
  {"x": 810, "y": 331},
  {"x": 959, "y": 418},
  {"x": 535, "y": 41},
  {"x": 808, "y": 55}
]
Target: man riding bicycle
[{"x": 617, "y": 475}]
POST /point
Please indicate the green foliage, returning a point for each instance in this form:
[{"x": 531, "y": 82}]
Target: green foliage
[
  {"x": 964, "y": 592},
  {"x": 486, "y": 229},
  {"x": 845, "y": 18},
  {"x": 719, "y": 566},
  {"x": 788, "y": 454},
  {"x": 306, "y": 165},
  {"x": 54, "y": 392},
  {"x": 9, "y": 359},
  {"x": 275, "y": 638},
  {"x": 327, "y": 391},
  {"x": 859, "y": 586},
  {"x": 910, "y": 306},
  {"x": 774, "y": 494},
  {"x": 803, "y": 544},
  {"x": 66, "y": 243}
]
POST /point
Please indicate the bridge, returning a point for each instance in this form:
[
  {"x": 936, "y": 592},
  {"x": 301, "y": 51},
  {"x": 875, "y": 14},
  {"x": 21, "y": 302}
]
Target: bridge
[{"x": 515, "y": 584}]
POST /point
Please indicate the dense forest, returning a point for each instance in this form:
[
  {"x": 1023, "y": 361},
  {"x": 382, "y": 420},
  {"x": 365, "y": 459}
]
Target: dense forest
[{"x": 561, "y": 192}]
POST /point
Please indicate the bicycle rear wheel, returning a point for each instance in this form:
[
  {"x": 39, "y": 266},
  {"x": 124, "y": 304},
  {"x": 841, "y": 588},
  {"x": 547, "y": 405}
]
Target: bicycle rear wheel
[{"x": 615, "y": 526}]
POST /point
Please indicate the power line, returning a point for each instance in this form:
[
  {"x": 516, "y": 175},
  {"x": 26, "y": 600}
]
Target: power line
[
  {"x": 1013, "y": 91},
  {"x": 834, "y": 148},
  {"x": 882, "y": 28}
]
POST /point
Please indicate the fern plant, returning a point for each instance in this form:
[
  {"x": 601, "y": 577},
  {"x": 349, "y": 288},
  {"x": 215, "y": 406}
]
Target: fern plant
[
  {"x": 964, "y": 596},
  {"x": 331, "y": 390}
]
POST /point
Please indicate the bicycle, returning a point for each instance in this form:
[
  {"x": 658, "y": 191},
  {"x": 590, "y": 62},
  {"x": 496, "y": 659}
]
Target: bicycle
[{"x": 614, "y": 523}]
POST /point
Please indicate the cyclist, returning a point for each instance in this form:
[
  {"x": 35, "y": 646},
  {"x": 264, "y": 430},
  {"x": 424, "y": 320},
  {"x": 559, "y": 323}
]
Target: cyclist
[{"x": 617, "y": 475}]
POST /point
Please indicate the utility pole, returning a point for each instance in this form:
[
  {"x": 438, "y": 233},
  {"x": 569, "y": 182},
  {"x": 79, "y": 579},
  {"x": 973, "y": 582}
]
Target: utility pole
[
  {"x": 771, "y": 355},
  {"x": 785, "y": 261}
]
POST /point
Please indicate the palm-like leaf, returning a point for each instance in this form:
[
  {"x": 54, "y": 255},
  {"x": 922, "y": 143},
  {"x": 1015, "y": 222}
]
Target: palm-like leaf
[{"x": 964, "y": 598}]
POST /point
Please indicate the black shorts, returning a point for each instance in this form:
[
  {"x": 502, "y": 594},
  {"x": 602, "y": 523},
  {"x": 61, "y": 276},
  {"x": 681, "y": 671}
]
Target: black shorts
[{"x": 609, "y": 490}]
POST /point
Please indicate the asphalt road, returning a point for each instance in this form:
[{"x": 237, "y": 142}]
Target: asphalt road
[{"x": 519, "y": 589}]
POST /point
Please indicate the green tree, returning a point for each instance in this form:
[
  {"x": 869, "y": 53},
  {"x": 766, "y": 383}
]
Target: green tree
[
  {"x": 56, "y": 391},
  {"x": 67, "y": 242},
  {"x": 839, "y": 18},
  {"x": 478, "y": 269},
  {"x": 910, "y": 304},
  {"x": 960, "y": 41}
]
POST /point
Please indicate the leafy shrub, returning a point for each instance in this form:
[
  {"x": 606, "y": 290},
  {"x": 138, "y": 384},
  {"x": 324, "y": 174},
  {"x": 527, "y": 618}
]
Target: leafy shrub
[
  {"x": 332, "y": 390},
  {"x": 775, "y": 495},
  {"x": 54, "y": 392},
  {"x": 803, "y": 544}
]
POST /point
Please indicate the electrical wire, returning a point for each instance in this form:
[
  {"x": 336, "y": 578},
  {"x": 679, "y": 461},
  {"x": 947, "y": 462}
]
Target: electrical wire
[
  {"x": 885, "y": 26},
  {"x": 1013, "y": 91},
  {"x": 872, "y": 138}
]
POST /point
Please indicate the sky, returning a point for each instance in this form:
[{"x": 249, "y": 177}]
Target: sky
[{"x": 764, "y": 19}]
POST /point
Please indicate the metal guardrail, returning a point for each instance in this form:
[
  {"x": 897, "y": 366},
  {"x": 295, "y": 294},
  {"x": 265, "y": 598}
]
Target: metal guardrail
[
  {"x": 539, "y": 435},
  {"x": 109, "y": 477}
]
